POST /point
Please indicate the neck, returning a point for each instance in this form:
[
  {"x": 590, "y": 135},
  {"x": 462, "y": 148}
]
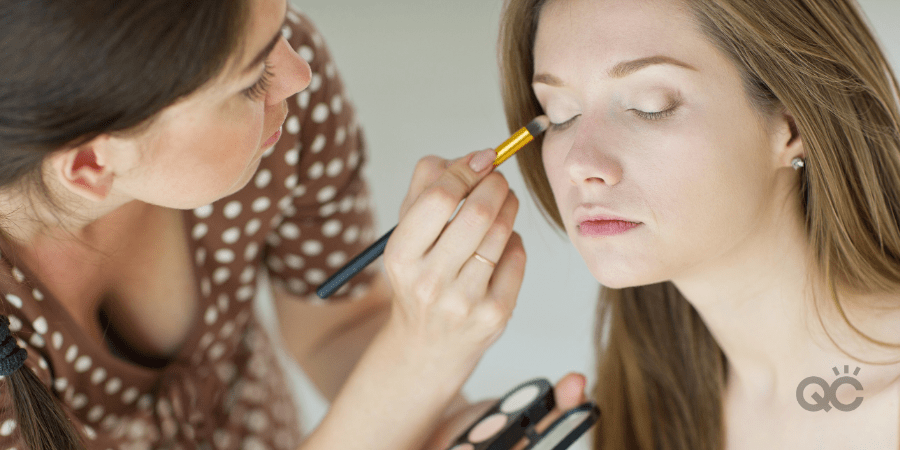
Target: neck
[
  {"x": 28, "y": 217},
  {"x": 771, "y": 311}
]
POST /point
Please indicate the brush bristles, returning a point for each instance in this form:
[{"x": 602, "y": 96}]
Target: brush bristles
[{"x": 538, "y": 125}]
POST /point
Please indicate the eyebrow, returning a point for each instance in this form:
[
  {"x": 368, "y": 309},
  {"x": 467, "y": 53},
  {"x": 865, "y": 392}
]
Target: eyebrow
[
  {"x": 261, "y": 56},
  {"x": 626, "y": 68},
  {"x": 620, "y": 70}
]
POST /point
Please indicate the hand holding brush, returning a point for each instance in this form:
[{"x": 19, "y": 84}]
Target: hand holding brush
[{"x": 518, "y": 140}]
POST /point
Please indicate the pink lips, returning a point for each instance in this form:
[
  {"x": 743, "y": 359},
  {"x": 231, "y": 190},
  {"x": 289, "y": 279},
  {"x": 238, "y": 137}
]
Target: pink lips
[
  {"x": 272, "y": 140},
  {"x": 604, "y": 226}
]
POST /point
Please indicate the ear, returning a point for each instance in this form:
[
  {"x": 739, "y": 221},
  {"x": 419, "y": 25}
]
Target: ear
[
  {"x": 788, "y": 141},
  {"x": 84, "y": 170}
]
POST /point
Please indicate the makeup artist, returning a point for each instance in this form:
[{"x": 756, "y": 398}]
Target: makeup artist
[{"x": 156, "y": 156}]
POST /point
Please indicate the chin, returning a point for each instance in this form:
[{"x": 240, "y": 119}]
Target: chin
[
  {"x": 622, "y": 275},
  {"x": 245, "y": 177},
  {"x": 616, "y": 283},
  {"x": 622, "y": 283}
]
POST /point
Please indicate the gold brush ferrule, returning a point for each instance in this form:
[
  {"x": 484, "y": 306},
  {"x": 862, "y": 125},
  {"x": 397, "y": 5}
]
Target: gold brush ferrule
[{"x": 512, "y": 145}]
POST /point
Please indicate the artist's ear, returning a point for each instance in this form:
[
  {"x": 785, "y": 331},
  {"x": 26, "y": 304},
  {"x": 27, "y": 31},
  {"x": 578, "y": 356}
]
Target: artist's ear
[
  {"x": 85, "y": 170},
  {"x": 787, "y": 139}
]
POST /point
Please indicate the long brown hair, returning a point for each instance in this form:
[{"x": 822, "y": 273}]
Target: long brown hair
[
  {"x": 71, "y": 70},
  {"x": 660, "y": 373}
]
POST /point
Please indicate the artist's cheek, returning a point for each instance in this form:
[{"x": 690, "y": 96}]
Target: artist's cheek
[
  {"x": 215, "y": 151},
  {"x": 243, "y": 124}
]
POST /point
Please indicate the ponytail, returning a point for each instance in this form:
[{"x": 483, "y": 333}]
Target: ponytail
[{"x": 42, "y": 422}]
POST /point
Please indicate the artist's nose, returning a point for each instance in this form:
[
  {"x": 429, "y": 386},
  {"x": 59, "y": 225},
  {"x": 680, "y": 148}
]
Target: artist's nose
[{"x": 291, "y": 73}]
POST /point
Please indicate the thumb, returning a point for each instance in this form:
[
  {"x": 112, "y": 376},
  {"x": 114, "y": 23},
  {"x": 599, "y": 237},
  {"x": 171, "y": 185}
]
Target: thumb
[{"x": 569, "y": 391}]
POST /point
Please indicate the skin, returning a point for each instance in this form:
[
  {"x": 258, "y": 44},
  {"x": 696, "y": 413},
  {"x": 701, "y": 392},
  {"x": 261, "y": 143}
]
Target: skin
[
  {"x": 425, "y": 323},
  {"x": 709, "y": 183}
]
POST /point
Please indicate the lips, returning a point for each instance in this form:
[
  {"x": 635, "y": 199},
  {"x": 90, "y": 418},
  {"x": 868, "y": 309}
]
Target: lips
[
  {"x": 272, "y": 140},
  {"x": 604, "y": 225}
]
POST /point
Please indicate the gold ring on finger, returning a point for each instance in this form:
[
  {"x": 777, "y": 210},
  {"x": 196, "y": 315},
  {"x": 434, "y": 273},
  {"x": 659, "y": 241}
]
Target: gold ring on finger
[{"x": 484, "y": 260}]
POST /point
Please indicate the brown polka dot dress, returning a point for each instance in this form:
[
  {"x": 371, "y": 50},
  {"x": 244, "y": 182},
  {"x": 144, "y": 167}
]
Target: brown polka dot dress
[{"x": 303, "y": 214}]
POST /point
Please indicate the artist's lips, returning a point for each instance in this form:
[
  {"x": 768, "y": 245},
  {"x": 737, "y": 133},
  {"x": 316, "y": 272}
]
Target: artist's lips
[
  {"x": 272, "y": 140},
  {"x": 597, "y": 226}
]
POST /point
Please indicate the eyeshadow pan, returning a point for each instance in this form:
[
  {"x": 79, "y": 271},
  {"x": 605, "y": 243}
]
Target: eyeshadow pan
[
  {"x": 561, "y": 430},
  {"x": 520, "y": 399},
  {"x": 487, "y": 428},
  {"x": 463, "y": 447}
]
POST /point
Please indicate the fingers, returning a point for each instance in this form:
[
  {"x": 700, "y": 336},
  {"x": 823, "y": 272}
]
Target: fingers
[
  {"x": 427, "y": 171},
  {"x": 424, "y": 257},
  {"x": 433, "y": 207},
  {"x": 466, "y": 232},
  {"x": 569, "y": 391},
  {"x": 507, "y": 278},
  {"x": 478, "y": 273}
]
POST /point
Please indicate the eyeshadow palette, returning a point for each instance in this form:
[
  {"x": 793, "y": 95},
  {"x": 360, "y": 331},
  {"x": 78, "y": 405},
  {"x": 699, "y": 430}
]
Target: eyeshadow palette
[{"x": 516, "y": 415}]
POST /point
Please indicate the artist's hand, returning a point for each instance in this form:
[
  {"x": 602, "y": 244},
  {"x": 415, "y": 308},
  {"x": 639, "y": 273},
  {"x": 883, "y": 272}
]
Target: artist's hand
[
  {"x": 568, "y": 393},
  {"x": 445, "y": 298}
]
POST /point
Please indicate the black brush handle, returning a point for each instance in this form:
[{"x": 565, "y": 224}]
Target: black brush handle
[{"x": 355, "y": 266}]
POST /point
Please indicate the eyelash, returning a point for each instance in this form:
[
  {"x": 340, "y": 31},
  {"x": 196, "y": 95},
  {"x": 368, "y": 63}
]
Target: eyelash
[
  {"x": 668, "y": 111},
  {"x": 659, "y": 115},
  {"x": 564, "y": 125},
  {"x": 258, "y": 90}
]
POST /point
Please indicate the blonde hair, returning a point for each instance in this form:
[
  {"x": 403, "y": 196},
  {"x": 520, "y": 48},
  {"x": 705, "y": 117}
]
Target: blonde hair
[{"x": 661, "y": 374}]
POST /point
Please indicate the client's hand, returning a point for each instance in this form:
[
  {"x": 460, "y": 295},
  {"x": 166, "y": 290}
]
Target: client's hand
[{"x": 568, "y": 393}]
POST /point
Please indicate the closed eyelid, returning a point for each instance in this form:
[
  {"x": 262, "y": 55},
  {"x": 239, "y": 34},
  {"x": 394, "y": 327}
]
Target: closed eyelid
[
  {"x": 668, "y": 98},
  {"x": 555, "y": 102}
]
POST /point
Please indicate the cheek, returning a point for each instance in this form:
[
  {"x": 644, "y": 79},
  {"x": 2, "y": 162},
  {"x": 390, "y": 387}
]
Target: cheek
[
  {"x": 242, "y": 122},
  {"x": 710, "y": 189},
  {"x": 226, "y": 143},
  {"x": 553, "y": 154},
  {"x": 204, "y": 159}
]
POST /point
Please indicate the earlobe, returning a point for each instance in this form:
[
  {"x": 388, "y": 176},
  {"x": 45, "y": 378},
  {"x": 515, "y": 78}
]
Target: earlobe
[{"x": 84, "y": 171}]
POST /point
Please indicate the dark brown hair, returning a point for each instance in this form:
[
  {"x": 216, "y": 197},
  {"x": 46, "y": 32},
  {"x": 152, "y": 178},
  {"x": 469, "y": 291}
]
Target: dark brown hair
[
  {"x": 661, "y": 374},
  {"x": 71, "y": 70}
]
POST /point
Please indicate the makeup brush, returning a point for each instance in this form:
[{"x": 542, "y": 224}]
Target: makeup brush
[{"x": 515, "y": 142}]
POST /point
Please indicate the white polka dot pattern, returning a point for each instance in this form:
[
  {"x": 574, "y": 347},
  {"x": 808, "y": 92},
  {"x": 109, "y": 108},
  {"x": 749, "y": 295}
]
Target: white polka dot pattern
[
  {"x": 292, "y": 125},
  {"x": 14, "y": 300},
  {"x": 303, "y": 214}
]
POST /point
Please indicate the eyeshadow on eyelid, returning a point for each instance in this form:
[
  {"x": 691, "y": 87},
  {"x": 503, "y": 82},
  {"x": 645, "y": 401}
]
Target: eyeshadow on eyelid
[{"x": 656, "y": 99}]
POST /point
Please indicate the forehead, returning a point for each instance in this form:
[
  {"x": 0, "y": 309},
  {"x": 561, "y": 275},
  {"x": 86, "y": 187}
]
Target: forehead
[
  {"x": 606, "y": 31},
  {"x": 263, "y": 19}
]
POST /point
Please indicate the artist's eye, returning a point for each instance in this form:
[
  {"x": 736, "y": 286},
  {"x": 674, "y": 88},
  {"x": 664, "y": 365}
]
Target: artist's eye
[
  {"x": 658, "y": 115},
  {"x": 258, "y": 90},
  {"x": 564, "y": 125}
]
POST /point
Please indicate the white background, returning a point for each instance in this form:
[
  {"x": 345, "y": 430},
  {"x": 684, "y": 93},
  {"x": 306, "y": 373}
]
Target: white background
[{"x": 424, "y": 78}]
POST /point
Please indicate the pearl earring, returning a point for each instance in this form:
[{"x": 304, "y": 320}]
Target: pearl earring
[{"x": 797, "y": 163}]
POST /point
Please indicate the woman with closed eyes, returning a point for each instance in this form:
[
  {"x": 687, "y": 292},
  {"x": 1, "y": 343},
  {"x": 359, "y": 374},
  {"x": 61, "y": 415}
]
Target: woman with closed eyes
[{"x": 729, "y": 171}]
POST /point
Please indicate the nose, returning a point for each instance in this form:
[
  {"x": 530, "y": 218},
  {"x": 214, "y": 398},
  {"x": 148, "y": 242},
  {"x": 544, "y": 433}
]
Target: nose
[
  {"x": 588, "y": 162},
  {"x": 291, "y": 73}
]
